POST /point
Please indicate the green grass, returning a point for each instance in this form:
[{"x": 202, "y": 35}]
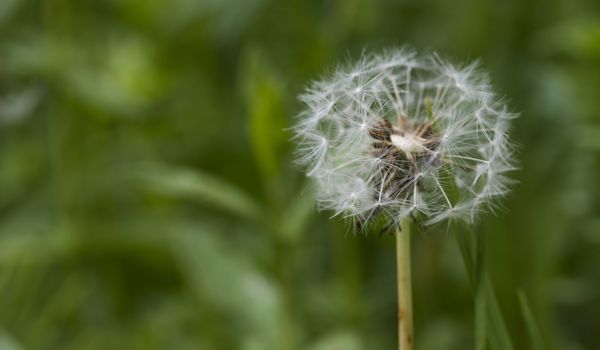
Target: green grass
[{"x": 148, "y": 200}]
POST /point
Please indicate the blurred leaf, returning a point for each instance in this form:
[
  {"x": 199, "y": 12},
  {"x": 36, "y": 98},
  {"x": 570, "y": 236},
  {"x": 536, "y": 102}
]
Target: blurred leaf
[
  {"x": 590, "y": 138},
  {"x": 264, "y": 101},
  {"x": 7, "y": 342},
  {"x": 201, "y": 186},
  {"x": 33, "y": 247},
  {"x": 124, "y": 81},
  {"x": 496, "y": 331},
  {"x": 592, "y": 231},
  {"x": 341, "y": 340},
  {"x": 17, "y": 107},
  {"x": 34, "y": 56},
  {"x": 579, "y": 37},
  {"x": 532, "y": 327},
  {"x": 481, "y": 322},
  {"x": 225, "y": 20},
  {"x": 441, "y": 333},
  {"x": 222, "y": 276},
  {"x": 21, "y": 166},
  {"x": 298, "y": 215},
  {"x": 7, "y": 8},
  {"x": 573, "y": 291},
  {"x": 121, "y": 78},
  {"x": 230, "y": 18}
]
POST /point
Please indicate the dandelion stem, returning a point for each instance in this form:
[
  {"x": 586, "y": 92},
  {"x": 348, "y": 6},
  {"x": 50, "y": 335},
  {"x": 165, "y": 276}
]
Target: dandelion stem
[{"x": 405, "y": 311}]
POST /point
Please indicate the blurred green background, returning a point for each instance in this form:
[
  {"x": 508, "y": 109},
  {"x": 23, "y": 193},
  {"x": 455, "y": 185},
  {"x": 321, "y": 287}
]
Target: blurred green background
[{"x": 148, "y": 201}]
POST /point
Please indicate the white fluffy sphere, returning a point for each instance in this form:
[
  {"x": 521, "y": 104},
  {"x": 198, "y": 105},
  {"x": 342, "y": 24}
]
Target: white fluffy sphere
[{"x": 399, "y": 134}]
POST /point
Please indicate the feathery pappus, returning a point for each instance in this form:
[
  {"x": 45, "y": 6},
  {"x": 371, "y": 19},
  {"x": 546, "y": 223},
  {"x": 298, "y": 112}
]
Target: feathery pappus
[{"x": 399, "y": 134}]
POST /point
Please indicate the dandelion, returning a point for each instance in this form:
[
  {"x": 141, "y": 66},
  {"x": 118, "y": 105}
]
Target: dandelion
[{"x": 399, "y": 135}]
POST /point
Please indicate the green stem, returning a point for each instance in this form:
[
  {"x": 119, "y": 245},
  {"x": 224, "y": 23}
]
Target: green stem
[{"x": 405, "y": 309}]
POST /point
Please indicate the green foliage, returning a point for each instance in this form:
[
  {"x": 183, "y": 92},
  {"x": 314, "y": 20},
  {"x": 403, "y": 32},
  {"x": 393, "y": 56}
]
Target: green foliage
[
  {"x": 195, "y": 185},
  {"x": 489, "y": 323},
  {"x": 535, "y": 335},
  {"x": 264, "y": 101},
  {"x": 148, "y": 201}
]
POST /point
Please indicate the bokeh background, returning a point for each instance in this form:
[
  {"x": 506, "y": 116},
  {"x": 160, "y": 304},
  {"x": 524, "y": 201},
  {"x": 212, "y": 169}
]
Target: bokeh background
[{"x": 148, "y": 201}]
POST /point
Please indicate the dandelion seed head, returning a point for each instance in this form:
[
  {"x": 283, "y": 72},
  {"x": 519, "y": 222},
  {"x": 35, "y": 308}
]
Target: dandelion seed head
[{"x": 401, "y": 134}]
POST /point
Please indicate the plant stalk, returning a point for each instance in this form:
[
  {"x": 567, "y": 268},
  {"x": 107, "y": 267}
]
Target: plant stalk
[{"x": 405, "y": 308}]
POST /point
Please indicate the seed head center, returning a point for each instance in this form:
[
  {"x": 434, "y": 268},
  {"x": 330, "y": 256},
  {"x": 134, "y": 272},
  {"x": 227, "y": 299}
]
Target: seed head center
[{"x": 408, "y": 143}]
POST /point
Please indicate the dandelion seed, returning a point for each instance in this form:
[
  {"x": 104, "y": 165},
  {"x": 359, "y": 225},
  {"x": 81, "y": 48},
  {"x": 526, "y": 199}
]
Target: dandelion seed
[{"x": 399, "y": 134}]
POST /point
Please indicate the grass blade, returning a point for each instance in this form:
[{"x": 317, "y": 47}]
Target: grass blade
[
  {"x": 200, "y": 186},
  {"x": 264, "y": 102},
  {"x": 489, "y": 323},
  {"x": 537, "y": 341},
  {"x": 480, "y": 320},
  {"x": 298, "y": 214}
]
